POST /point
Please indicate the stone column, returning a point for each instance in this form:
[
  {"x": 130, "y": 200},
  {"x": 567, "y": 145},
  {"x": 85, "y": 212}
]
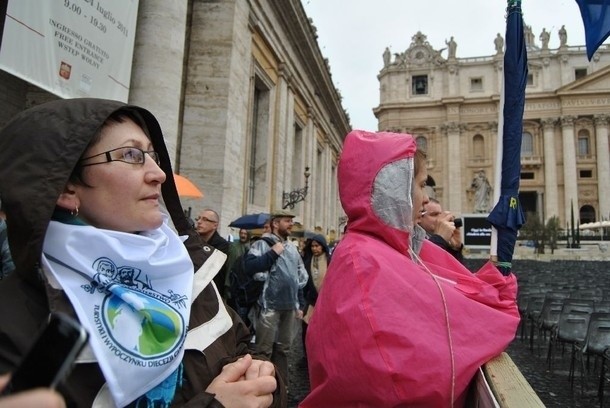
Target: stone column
[
  {"x": 309, "y": 148},
  {"x": 158, "y": 63},
  {"x": 283, "y": 171},
  {"x": 570, "y": 185},
  {"x": 455, "y": 186},
  {"x": 551, "y": 201},
  {"x": 603, "y": 165}
]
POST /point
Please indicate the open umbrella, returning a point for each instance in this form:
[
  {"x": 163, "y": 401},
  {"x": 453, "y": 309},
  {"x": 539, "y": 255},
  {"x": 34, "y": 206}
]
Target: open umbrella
[
  {"x": 250, "y": 221},
  {"x": 507, "y": 216},
  {"x": 186, "y": 188}
]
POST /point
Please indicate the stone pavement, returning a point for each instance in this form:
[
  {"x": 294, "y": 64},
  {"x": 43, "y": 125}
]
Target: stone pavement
[
  {"x": 297, "y": 369},
  {"x": 553, "y": 387}
]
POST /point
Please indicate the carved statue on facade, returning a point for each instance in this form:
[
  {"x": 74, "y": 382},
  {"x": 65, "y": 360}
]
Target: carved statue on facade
[
  {"x": 452, "y": 47},
  {"x": 387, "y": 57},
  {"x": 529, "y": 36},
  {"x": 400, "y": 59},
  {"x": 499, "y": 44},
  {"x": 482, "y": 192},
  {"x": 563, "y": 36},
  {"x": 544, "y": 39}
]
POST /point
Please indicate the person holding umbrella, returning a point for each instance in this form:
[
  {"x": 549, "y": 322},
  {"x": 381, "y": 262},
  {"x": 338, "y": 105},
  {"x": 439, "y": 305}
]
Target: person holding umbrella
[
  {"x": 236, "y": 250},
  {"x": 281, "y": 300}
]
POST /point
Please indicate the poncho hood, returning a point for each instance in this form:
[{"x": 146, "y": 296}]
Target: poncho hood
[
  {"x": 375, "y": 180},
  {"x": 39, "y": 149}
]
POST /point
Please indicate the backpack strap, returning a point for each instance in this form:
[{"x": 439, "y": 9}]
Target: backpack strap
[{"x": 269, "y": 241}]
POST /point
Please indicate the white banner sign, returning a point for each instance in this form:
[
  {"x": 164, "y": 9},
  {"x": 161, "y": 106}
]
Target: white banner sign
[{"x": 72, "y": 48}]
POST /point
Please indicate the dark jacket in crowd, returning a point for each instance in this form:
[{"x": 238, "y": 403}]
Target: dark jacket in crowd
[
  {"x": 440, "y": 241},
  {"x": 309, "y": 291}
]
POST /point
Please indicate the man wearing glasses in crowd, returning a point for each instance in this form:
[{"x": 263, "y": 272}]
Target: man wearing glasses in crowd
[{"x": 207, "y": 225}]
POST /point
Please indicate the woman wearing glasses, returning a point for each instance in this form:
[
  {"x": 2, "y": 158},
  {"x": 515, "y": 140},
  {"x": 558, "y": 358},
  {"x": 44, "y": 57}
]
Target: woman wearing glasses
[{"x": 82, "y": 181}]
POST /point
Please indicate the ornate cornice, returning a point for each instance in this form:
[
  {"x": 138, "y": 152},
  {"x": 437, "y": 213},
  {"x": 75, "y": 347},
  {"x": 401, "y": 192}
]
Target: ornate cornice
[
  {"x": 601, "y": 120},
  {"x": 548, "y": 123},
  {"x": 568, "y": 120},
  {"x": 451, "y": 127}
]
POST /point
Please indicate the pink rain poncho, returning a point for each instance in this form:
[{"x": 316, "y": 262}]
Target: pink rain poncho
[{"x": 399, "y": 322}]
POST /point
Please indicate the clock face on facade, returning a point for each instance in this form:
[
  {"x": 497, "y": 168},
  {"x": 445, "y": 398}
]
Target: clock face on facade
[{"x": 418, "y": 55}]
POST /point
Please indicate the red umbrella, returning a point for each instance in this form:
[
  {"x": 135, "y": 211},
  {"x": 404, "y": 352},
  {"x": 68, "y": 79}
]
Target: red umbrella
[{"x": 186, "y": 188}]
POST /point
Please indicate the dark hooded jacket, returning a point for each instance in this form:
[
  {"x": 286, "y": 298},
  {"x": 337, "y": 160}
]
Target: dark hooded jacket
[
  {"x": 38, "y": 151},
  {"x": 309, "y": 291}
]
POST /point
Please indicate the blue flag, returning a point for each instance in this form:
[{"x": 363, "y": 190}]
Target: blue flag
[{"x": 596, "y": 19}]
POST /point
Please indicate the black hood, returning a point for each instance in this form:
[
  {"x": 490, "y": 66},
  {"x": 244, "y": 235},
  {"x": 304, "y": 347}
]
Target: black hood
[
  {"x": 39, "y": 149},
  {"x": 319, "y": 238}
]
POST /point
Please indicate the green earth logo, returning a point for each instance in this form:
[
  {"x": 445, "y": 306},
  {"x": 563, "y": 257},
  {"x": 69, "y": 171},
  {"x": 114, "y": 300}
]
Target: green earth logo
[{"x": 141, "y": 325}]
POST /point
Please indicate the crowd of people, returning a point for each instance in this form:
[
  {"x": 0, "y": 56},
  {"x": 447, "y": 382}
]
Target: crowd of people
[{"x": 96, "y": 230}]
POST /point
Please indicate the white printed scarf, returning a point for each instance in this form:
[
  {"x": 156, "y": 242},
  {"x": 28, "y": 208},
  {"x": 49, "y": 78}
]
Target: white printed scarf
[{"x": 132, "y": 292}]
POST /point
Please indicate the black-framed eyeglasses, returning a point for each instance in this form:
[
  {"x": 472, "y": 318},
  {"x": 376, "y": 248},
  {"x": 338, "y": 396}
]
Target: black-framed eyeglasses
[{"x": 127, "y": 154}]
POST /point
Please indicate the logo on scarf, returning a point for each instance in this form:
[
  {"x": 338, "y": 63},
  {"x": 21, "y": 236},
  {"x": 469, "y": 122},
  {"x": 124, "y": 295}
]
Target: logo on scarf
[{"x": 136, "y": 322}]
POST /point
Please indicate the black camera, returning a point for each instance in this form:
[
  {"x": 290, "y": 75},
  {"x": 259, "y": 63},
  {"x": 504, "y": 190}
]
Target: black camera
[{"x": 458, "y": 222}]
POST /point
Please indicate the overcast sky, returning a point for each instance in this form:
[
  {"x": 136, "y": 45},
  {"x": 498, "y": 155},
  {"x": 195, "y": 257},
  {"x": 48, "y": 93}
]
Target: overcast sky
[{"x": 353, "y": 34}]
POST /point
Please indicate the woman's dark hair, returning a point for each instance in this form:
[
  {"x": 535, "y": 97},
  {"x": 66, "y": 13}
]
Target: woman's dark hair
[{"x": 119, "y": 116}]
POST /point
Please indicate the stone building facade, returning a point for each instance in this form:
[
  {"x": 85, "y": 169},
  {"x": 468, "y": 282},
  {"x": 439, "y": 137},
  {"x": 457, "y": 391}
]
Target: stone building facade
[
  {"x": 451, "y": 105},
  {"x": 245, "y": 99}
]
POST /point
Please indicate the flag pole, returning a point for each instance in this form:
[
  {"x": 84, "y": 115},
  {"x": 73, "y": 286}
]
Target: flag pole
[{"x": 493, "y": 249}]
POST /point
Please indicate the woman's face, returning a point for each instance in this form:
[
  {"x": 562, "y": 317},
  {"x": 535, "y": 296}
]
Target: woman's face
[
  {"x": 316, "y": 249},
  {"x": 122, "y": 196},
  {"x": 420, "y": 197}
]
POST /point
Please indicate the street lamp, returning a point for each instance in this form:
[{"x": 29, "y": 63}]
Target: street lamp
[{"x": 297, "y": 195}]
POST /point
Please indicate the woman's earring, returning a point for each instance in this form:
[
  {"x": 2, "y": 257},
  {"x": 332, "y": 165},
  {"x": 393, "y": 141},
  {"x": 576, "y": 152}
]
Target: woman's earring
[{"x": 74, "y": 212}]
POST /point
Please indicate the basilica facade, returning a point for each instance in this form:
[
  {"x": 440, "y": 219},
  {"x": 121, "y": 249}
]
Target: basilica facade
[{"x": 450, "y": 104}]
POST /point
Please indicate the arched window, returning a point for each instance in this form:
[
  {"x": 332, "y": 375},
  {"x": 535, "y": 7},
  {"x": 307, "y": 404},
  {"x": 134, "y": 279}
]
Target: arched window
[
  {"x": 527, "y": 145},
  {"x": 583, "y": 143},
  {"x": 478, "y": 146},
  {"x": 422, "y": 143},
  {"x": 587, "y": 214}
]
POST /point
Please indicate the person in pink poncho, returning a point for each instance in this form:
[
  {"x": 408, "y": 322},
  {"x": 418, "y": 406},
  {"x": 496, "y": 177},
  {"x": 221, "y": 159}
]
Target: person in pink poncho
[{"x": 399, "y": 322}]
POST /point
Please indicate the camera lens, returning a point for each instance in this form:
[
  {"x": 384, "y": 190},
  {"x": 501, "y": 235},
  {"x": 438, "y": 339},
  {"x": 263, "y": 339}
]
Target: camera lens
[{"x": 457, "y": 222}]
